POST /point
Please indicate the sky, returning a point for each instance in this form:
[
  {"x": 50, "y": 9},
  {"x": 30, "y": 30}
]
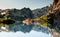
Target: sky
[
  {"x": 32, "y": 4},
  {"x": 21, "y": 34}
]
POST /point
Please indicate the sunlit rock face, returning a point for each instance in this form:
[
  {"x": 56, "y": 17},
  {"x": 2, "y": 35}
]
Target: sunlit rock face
[
  {"x": 56, "y": 8},
  {"x": 55, "y": 11},
  {"x": 27, "y": 21}
]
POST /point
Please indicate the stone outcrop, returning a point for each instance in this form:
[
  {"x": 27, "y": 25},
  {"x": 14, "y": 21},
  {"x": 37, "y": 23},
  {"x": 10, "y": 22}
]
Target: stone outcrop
[{"x": 55, "y": 14}]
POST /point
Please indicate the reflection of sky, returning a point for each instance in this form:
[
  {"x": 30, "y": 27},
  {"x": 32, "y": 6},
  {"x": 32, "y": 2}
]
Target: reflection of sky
[
  {"x": 24, "y": 3},
  {"x": 20, "y": 34}
]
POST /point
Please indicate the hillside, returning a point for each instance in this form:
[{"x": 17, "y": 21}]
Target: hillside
[
  {"x": 22, "y": 14},
  {"x": 39, "y": 12}
]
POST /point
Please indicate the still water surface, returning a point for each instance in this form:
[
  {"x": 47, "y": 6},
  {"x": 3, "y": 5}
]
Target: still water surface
[{"x": 22, "y": 30}]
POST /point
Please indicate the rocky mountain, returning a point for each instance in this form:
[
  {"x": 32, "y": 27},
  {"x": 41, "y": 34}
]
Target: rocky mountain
[
  {"x": 40, "y": 12},
  {"x": 22, "y": 14},
  {"x": 17, "y": 14}
]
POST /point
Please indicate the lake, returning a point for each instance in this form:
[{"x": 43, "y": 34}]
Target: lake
[{"x": 22, "y": 30}]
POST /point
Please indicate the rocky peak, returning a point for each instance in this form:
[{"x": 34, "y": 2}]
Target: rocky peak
[
  {"x": 17, "y": 14},
  {"x": 41, "y": 11}
]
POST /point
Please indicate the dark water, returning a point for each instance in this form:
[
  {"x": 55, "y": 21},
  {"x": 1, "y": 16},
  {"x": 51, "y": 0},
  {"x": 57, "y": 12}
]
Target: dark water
[
  {"x": 28, "y": 28},
  {"x": 23, "y": 30}
]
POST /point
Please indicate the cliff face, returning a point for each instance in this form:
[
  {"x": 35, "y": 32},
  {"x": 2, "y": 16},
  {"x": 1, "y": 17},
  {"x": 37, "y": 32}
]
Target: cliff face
[{"x": 55, "y": 11}]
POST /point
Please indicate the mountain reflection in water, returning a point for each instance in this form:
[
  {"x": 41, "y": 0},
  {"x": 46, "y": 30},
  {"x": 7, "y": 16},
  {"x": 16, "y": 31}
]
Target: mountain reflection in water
[{"x": 27, "y": 28}]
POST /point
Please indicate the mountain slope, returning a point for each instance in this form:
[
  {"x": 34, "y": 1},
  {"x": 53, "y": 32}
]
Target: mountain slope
[{"x": 39, "y": 12}]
